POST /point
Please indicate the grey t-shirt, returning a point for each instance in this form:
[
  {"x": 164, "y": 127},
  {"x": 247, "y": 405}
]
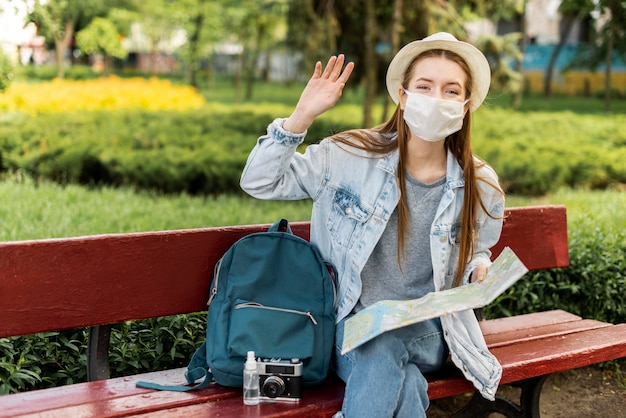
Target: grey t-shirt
[{"x": 382, "y": 277}]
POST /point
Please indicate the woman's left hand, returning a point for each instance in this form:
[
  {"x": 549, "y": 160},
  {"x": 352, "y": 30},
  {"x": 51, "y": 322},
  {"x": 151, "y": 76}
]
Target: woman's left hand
[{"x": 479, "y": 273}]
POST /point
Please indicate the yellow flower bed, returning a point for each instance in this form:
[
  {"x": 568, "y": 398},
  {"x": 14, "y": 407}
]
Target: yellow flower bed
[{"x": 105, "y": 93}]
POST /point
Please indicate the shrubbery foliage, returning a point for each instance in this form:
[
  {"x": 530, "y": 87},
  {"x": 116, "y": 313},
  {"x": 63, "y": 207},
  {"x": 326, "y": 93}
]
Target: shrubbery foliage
[
  {"x": 202, "y": 151},
  {"x": 591, "y": 287}
]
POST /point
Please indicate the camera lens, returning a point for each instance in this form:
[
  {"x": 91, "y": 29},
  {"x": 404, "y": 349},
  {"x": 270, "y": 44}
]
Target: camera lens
[{"x": 273, "y": 387}]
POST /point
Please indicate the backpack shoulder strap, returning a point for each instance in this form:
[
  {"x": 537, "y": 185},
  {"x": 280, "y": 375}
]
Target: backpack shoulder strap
[
  {"x": 196, "y": 370},
  {"x": 281, "y": 226}
]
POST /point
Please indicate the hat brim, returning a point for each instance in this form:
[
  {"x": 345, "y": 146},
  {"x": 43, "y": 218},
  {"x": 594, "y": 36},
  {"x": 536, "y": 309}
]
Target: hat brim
[{"x": 478, "y": 65}]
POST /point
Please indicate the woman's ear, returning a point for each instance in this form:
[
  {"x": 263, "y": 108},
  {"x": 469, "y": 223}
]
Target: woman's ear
[{"x": 401, "y": 97}]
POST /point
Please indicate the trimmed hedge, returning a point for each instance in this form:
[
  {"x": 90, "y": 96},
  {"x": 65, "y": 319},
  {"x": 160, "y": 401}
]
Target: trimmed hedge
[
  {"x": 199, "y": 152},
  {"x": 202, "y": 151}
]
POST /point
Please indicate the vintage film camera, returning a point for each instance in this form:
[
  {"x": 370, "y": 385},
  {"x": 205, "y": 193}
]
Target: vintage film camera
[{"x": 280, "y": 379}]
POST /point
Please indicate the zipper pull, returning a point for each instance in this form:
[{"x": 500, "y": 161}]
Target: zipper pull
[
  {"x": 216, "y": 272},
  {"x": 213, "y": 293}
]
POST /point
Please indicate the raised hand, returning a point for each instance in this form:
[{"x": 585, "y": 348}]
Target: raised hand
[{"x": 320, "y": 94}]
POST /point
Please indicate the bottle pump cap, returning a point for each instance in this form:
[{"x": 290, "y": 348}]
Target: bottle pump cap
[{"x": 251, "y": 361}]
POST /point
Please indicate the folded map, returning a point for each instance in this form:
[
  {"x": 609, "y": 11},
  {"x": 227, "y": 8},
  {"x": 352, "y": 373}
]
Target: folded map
[{"x": 386, "y": 315}]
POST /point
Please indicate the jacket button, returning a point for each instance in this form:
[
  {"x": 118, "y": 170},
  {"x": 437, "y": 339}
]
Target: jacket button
[{"x": 443, "y": 238}]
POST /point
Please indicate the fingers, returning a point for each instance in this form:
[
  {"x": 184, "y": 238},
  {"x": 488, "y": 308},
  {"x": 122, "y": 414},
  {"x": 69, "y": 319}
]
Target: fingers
[
  {"x": 346, "y": 72},
  {"x": 318, "y": 70},
  {"x": 334, "y": 67},
  {"x": 479, "y": 273}
]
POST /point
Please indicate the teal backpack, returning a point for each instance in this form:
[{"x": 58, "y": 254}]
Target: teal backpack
[{"x": 271, "y": 293}]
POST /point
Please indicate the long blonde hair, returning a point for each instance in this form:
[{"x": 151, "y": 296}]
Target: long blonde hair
[{"x": 376, "y": 140}]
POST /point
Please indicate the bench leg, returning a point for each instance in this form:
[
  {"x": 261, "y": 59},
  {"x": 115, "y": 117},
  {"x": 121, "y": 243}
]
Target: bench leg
[
  {"x": 98, "y": 353},
  {"x": 528, "y": 406}
]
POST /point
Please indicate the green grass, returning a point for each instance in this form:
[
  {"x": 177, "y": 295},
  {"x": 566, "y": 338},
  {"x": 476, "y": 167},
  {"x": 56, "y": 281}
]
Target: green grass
[
  {"x": 48, "y": 210},
  {"x": 605, "y": 207}
]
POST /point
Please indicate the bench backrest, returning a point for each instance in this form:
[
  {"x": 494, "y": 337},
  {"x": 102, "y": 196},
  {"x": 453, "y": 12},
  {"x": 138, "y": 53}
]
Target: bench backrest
[{"x": 56, "y": 284}]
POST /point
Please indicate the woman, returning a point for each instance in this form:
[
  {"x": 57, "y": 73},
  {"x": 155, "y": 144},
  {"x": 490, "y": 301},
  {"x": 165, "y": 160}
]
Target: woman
[{"x": 401, "y": 209}]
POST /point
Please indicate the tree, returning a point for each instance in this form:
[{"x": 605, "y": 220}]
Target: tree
[
  {"x": 370, "y": 60},
  {"x": 610, "y": 16},
  {"x": 101, "y": 37},
  {"x": 160, "y": 21},
  {"x": 500, "y": 50},
  {"x": 571, "y": 12},
  {"x": 256, "y": 25},
  {"x": 6, "y": 71},
  {"x": 203, "y": 25},
  {"x": 370, "y": 33},
  {"x": 58, "y": 20}
]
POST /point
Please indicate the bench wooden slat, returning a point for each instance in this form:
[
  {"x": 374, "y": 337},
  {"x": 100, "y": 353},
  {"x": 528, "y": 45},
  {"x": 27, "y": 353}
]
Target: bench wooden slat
[
  {"x": 540, "y": 357},
  {"x": 111, "y": 397},
  {"x": 542, "y": 246},
  {"x": 318, "y": 403},
  {"x": 103, "y": 399},
  {"x": 544, "y": 356},
  {"x": 526, "y": 321},
  {"x": 554, "y": 330}
]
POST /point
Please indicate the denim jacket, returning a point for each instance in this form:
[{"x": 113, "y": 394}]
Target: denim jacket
[{"x": 354, "y": 193}]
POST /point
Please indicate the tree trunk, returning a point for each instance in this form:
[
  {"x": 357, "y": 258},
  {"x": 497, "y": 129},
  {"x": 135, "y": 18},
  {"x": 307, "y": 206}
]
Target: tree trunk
[
  {"x": 517, "y": 97},
  {"x": 370, "y": 62},
  {"x": 608, "y": 62},
  {"x": 396, "y": 27},
  {"x": 194, "y": 43},
  {"x": 61, "y": 44},
  {"x": 261, "y": 30},
  {"x": 563, "y": 34}
]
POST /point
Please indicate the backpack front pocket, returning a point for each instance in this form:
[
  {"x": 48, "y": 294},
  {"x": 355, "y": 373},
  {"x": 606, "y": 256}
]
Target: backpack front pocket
[{"x": 271, "y": 332}]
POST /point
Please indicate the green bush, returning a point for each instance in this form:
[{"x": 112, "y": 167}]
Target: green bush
[
  {"x": 591, "y": 287},
  {"x": 49, "y": 72},
  {"x": 59, "y": 358},
  {"x": 203, "y": 151},
  {"x": 539, "y": 152},
  {"x": 42, "y": 360},
  {"x": 199, "y": 152}
]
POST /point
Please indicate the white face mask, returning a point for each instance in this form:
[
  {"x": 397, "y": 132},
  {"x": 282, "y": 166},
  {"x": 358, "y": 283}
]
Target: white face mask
[{"x": 433, "y": 119}]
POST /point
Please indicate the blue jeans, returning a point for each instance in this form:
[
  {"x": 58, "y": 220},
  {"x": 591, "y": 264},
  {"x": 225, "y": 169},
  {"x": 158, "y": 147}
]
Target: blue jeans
[{"x": 384, "y": 377}]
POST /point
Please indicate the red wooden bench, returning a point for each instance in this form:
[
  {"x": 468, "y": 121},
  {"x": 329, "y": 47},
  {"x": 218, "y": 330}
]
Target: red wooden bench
[{"x": 94, "y": 281}]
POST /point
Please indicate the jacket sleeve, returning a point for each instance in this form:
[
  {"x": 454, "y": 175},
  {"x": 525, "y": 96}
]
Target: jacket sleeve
[
  {"x": 489, "y": 225},
  {"x": 275, "y": 170}
]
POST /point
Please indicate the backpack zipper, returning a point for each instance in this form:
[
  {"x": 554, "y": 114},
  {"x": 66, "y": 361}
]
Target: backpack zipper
[
  {"x": 261, "y": 306},
  {"x": 216, "y": 275}
]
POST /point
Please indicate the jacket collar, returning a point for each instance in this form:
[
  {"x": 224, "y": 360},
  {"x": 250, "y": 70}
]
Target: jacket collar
[{"x": 454, "y": 172}]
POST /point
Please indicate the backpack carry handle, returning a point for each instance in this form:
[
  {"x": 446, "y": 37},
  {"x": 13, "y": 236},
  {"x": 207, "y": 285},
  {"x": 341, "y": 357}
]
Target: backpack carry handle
[{"x": 281, "y": 226}]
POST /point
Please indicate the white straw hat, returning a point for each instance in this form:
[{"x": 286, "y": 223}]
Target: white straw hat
[{"x": 478, "y": 65}]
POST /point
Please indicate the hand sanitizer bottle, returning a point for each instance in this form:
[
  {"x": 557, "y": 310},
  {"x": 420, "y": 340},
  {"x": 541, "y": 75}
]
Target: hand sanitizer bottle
[{"x": 250, "y": 381}]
